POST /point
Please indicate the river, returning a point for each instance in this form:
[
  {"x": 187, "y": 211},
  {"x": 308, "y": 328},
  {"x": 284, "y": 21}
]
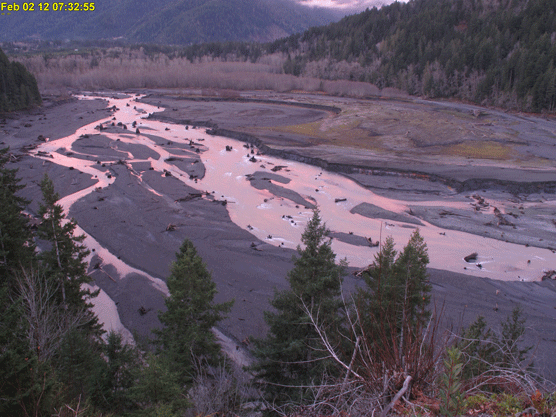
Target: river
[{"x": 280, "y": 221}]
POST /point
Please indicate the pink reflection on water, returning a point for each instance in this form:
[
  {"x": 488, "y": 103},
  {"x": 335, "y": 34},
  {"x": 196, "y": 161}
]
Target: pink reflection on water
[{"x": 226, "y": 176}]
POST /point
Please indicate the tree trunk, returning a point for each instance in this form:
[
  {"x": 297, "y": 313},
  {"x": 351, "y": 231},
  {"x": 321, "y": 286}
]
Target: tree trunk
[{"x": 59, "y": 263}]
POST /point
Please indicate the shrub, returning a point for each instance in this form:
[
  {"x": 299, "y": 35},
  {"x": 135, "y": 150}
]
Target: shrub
[{"x": 451, "y": 395}]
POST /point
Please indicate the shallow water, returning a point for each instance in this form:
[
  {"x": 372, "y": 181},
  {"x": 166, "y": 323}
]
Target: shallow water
[
  {"x": 226, "y": 175},
  {"x": 264, "y": 213}
]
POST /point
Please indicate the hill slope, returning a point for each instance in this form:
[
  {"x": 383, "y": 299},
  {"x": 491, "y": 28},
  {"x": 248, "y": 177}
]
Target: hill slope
[
  {"x": 167, "y": 21},
  {"x": 498, "y": 52}
]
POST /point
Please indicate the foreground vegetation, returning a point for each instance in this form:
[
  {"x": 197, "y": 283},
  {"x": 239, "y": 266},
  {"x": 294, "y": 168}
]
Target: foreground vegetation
[
  {"x": 383, "y": 348},
  {"x": 380, "y": 349},
  {"x": 55, "y": 359}
]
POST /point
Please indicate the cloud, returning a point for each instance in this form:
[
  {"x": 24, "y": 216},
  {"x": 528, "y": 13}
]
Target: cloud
[{"x": 345, "y": 4}]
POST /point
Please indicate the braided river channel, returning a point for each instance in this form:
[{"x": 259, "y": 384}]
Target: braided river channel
[{"x": 275, "y": 218}]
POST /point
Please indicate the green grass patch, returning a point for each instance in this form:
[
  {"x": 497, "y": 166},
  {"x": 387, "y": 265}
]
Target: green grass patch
[
  {"x": 480, "y": 150},
  {"x": 338, "y": 132}
]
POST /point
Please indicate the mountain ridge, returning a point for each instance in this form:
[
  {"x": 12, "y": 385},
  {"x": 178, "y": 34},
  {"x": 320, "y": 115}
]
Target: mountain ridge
[{"x": 179, "y": 22}]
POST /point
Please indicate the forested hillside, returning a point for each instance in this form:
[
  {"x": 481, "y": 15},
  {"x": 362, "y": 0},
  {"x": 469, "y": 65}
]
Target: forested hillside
[
  {"x": 501, "y": 52},
  {"x": 18, "y": 87},
  {"x": 497, "y": 52},
  {"x": 491, "y": 52}
]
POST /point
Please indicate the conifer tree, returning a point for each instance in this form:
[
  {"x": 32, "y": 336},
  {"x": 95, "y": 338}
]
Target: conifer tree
[
  {"x": 398, "y": 290},
  {"x": 513, "y": 329},
  {"x": 292, "y": 352},
  {"x": 65, "y": 267},
  {"x": 113, "y": 376},
  {"x": 65, "y": 261},
  {"x": 16, "y": 243},
  {"x": 18, "y": 87},
  {"x": 191, "y": 313},
  {"x": 31, "y": 329},
  {"x": 157, "y": 388},
  {"x": 488, "y": 351},
  {"x": 25, "y": 384},
  {"x": 477, "y": 347},
  {"x": 19, "y": 385},
  {"x": 392, "y": 310}
]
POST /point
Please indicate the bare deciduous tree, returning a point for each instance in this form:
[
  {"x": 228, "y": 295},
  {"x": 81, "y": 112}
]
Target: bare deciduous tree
[
  {"x": 221, "y": 390},
  {"x": 47, "y": 323},
  {"x": 374, "y": 388}
]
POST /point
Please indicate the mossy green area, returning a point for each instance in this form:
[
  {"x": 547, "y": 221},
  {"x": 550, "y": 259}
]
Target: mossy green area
[
  {"x": 480, "y": 150},
  {"x": 409, "y": 130}
]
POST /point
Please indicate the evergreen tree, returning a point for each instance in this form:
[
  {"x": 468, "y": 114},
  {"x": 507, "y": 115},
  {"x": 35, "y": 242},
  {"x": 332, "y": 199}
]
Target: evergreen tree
[
  {"x": 157, "y": 388},
  {"x": 16, "y": 242},
  {"x": 18, "y": 385},
  {"x": 27, "y": 379},
  {"x": 412, "y": 266},
  {"x": 486, "y": 351},
  {"x": 18, "y": 87},
  {"x": 476, "y": 345},
  {"x": 75, "y": 361},
  {"x": 470, "y": 50},
  {"x": 190, "y": 314},
  {"x": 513, "y": 330},
  {"x": 65, "y": 261},
  {"x": 398, "y": 291},
  {"x": 65, "y": 268},
  {"x": 292, "y": 353},
  {"x": 114, "y": 376},
  {"x": 392, "y": 309}
]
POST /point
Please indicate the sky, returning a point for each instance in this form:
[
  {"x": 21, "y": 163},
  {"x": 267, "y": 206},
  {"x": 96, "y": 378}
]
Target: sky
[{"x": 358, "y": 5}]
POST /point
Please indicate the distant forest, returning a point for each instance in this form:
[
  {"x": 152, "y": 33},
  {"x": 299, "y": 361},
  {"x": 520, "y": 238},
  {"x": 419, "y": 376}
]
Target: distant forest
[
  {"x": 18, "y": 87},
  {"x": 495, "y": 52},
  {"x": 491, "y": 52}
]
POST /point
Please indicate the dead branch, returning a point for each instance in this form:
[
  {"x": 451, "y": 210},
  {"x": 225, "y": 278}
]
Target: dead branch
[
  {"x": 397, "y": 396},
  {"x": 328, "y": 346}
]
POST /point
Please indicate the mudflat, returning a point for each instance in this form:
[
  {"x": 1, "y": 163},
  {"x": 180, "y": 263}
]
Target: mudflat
[
  {"x": 407, "y": 150},
  {"x": 145, "y": 228},
  {"x": 453, "y": 141}
]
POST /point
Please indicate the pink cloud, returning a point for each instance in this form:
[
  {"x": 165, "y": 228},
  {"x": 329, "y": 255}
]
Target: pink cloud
[{"x": 345, "y": 4}]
